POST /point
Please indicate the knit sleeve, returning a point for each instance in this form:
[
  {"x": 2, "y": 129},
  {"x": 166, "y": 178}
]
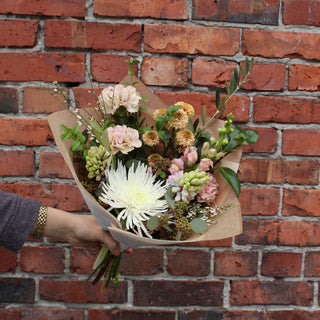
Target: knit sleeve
[{"x": 17, "y": 217}]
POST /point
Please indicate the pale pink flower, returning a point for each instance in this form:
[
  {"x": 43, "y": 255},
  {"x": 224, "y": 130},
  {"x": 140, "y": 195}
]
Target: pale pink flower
[
  {"x": 111, "y": 98},
  {"x": 176, "y": 165},
  {"x": 205, "y": 164},
  {"x": 190, "y": 156},
  {"x": 210, "y": 190},
  {"x": 123, "y": 139}
]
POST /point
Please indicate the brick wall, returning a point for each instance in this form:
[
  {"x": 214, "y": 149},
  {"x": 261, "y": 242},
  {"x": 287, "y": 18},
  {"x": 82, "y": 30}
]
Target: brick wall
[{"x": 186, "y": 47}]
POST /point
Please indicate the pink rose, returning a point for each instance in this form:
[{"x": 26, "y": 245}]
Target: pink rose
[
  {"x": 190, "y": 156},
  {"x": 205, "y": 164},
  {"x": 123, "y": 139},
  {"x": 210, "y": 190},
  {"x": 176, "y": 165}
]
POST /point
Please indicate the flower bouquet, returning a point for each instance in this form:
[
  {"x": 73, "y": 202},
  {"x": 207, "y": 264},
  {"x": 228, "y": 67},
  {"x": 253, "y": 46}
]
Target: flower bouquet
[{"x": 153, "y": 174}]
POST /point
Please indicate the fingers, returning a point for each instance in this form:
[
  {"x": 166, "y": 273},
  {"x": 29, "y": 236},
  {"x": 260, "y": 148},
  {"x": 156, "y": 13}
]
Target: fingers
[{"x": 112, "y": 244}]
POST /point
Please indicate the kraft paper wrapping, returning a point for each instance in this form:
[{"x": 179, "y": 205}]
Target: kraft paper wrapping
[{"x": 229, "y": 224}]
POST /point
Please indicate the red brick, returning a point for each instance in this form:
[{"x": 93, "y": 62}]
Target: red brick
[
  {"x": 301, "y": 12},
  {"x": 267, "y": 141},
  {"x": 32, "y": 132},
  {"x": 17, "y": 163},
  {"x": 267, "y": 77},
  {"x": 10, "y": 314},
  {"x": 304, "y": 77},
  {"x": 299, "y": 233},
  {"x": 293, "y": 314},
  {"x": 79, "y": 291},
  {"x": 312, "y": 264},
  {"x": 235, "y": 263},
  {"x": 191, "y": 39},
  {"x": 130, "y": 314},
  {"x": 165, "y": 9},
  {"x": 227, "y": 242},
  {"x": 281, "y": 264},
  {"x": 260, "y": 232},
  {"x": 92, "y": 35},
  {"x": 42, "y": 259},
  {"x": 85, "y": 97},
  {"x": 62, "y": 196},
  {"x": 37, "y": 313},
  {"x": 279, "y": 171},
  {"x": 8, "y": 261},
  {"x": 82, "y": 259},
  {"x": 40, "y": 100},
  {"x": 142, "y": 261},
  {"x": 250, "y": 292},
  {"x": 72, "y": 8},
  {"x": 280, "y": 44},
  {"x": 198, "y": 262},
  {"x": 286, "y": 109},
  {"x": 239, "y": 106},
  {"x": 18, "y": 33},
  {"x": 109, "y": 67},
  {"x": 41, "y": 66},
  {"x": 221, "y": 315},
  {"x": 246, "y": 11},
  {"x": 17, "y": 290},
  {"x": 256, "y": 201},
  {"x": 164, "y": 72},
  {"x": 301, "y": 142},
  {"x": 8, "y": 100},
  {"x": 182, "y": 293},
  {"x": 52, "y": 165},
  {"x": 301, "y": 202}
]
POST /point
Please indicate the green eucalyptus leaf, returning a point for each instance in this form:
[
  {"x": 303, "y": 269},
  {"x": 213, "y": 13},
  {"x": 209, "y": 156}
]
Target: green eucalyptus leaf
[
  {"x": 153, "y": 223},
  {"x": 198, "y": 225},
  {"x": 231, "y": 178}
]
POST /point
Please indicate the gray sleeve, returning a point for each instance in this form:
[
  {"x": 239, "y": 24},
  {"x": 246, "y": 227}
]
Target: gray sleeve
[{"x": 17, "y": 217}]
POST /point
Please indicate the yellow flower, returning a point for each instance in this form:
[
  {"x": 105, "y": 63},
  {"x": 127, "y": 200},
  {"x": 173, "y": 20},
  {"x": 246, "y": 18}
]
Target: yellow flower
[
  {"x": 185, "y": 138},
  {"x": 151, "y": 138},
  {"x": 180, "y": 120},
  {"x": 158, "y": 111},
  {"x": 187, "y": 108}
]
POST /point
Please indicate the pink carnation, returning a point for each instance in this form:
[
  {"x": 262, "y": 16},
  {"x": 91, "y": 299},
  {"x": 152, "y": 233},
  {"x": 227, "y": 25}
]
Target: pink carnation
[
  {"x": 210, "y": 190},
  {"x": 123, "y": 139}
]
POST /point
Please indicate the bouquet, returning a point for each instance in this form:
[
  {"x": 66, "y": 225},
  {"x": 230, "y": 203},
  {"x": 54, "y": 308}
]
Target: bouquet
[{"x": 152, "y": 174}]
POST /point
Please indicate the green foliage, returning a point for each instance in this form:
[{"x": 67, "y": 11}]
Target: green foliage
[
  {"x": 79, "y": 139},
  {"x": 231, "y": 178},
  {"x": 198, "y": 225}
]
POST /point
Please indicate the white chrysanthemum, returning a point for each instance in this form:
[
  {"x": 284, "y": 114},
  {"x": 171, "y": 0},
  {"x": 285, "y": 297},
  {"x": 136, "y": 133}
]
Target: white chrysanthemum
[{"x": 135, "y": 192}]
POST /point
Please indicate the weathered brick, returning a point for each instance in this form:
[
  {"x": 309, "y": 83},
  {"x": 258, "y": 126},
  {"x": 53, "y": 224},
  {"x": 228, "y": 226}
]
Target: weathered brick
[
  {"x": 246, "y": 11},
  {"x": 85, "y": 97},
  {"x": 37, "y": 313},
  {"x": 164, "y": 72},
  {"x": 279, "y": 171},
  {"x": 198, "y": 262},
  {"x": 293, "y": 315},
  {"x": 8, "y": 261},
  {"x": 142, "y": 261},
  {"x": 109, "y": 67},
  {"x": 52, "y": 165},
  {"x": 42, "y": 259},
  {"x": 207, "y": 72},
  {"x": 18, "y": 33},
  {"x": 82, "y": 259},
  {"x": 17, "y": 290},
  {"x": 17, "y": 163},
  {"x": 280, "y": 44},
  {"x": 304, "y": 77},
  {"x": 72, "y": 8},
  {"x": 165, "y": 9},
  {"x": 301, "y": 12},
  {"x": 221, "y": 315},
  {"x": 32, "y": 132},
  {"x": 239, "y": 106},
  {"x": 264, "y": 201},
  {"x": 191, "y": 39},
  {"x": 286, "y": 109},
  {"x": 301, "y": 142},
  {"x": 227, "y": 242},
  {"x": 10, "y": 314},
  {"x": 182, "y": 293},
  {"x": 92, "y": 35},
  {"x": 267, "y": 77},
  {"x": 61, "y": 196},
  {"x": 40, "y": 100},
  {"x": 8, "y": 100},
  {"x": 312, "y": 264},
  {"x": 281, "y": 264},
  {"x": 301, "y": 202},
  {"x": 235, "y": 263},
  {"x": 41, "y": 66},
  {"x": 79, "y": 291},
  {"x": 250, "y": 292}
]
